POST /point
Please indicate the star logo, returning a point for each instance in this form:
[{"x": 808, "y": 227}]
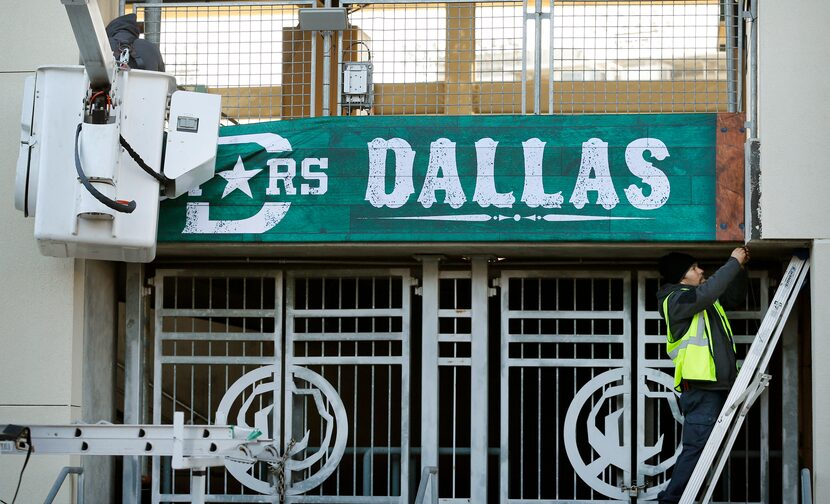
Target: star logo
[
  {"x": 198, "y": 219},
  {"x": 238, "y": 178}
]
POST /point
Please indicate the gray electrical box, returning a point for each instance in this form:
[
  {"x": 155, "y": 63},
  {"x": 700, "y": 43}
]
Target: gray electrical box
[
  {"x": 357, "y": 85},
  {"x": 323, "y": 19}
]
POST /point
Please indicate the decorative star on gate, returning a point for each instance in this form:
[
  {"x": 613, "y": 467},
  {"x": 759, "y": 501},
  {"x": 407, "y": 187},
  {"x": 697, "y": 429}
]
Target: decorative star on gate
[{"x": 238, "y": 178}]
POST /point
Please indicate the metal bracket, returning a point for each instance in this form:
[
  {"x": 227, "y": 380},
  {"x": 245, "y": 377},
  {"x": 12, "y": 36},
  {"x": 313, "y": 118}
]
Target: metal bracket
[
  {"x": 147, "y": 289},
  {"x": 31, "y": 141},
  {"x": 760, "y": 385},
  {"x": 748, "y": 396}
]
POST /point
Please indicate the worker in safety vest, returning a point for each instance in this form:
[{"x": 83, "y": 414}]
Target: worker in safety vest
[{"x": 700, "y": 343}]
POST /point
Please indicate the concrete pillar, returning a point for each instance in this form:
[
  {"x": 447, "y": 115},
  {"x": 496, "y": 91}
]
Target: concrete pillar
[
  {"x": 98, "y": 394},
  {"x": 820, "y": 300}
]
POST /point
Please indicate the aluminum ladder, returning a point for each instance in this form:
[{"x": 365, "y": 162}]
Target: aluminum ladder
[{"x": 751, "y": 382}]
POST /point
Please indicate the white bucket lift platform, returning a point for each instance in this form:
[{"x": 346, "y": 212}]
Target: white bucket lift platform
[{"x": 94, "y": 157}]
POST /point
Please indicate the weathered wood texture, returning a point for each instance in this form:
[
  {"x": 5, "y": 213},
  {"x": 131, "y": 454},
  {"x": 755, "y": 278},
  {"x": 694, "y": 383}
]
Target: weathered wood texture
[
  {"x": 731, "y": 136},
  {"x": 656, "y": 174}
]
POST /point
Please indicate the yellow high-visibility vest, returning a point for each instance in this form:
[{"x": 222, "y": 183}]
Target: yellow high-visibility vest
[{"x": 692, "y": 354}]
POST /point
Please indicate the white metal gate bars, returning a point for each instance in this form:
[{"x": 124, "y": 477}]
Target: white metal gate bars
[
  {"x": 334, "y": 393},
  {"x": 575, "y": 404},
  {"x": 352, "y": 328},
  {"x": 565, "y": 360},
  {"x": 211, "y": 328}
]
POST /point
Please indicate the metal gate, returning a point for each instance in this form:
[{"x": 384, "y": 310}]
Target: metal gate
[
  {"x": 587, "y": 408},
  {"x": 566, "y": 386},
  {"x": 320, "y": 361},
  {"x": 333, "y": 392}
]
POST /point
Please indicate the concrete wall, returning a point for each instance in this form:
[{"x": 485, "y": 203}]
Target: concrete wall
[
  {"x": 795, "y": 173},
  {"x": 42, "y": 300},
  {"x": 793, "y": 114},
  {"x": 820, "y": 348}
]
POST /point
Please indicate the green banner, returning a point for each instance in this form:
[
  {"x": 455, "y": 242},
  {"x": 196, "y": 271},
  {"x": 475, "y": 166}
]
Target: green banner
[{"x": 448, "y": 179}]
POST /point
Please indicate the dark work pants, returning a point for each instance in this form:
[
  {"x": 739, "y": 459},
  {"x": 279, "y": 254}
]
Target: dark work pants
[{"x": 700, "y": 410}]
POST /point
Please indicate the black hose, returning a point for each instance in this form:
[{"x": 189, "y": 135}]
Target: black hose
[
  {"x": 140, "y": 162},
  {"x": 118, "y": 207}
]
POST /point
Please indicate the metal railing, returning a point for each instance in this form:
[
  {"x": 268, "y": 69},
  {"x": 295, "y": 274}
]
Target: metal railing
[
  {"x": 79, "y": 489},
  {"x": 460, "y": 58}
]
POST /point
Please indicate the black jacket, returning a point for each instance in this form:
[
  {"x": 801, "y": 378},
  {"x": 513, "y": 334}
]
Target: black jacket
[
  {"x": 144, "y": 55},
  {"x": 727, "y": 284}
]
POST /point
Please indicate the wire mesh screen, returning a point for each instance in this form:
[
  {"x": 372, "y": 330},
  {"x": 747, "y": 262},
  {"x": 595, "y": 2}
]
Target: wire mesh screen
[
  {"x": 439, "y": 58},
  {"x": 458, "y": 58},
  {"x": 744, "y": 478},
  {"x": 657, "y": 56},
  {"x": 253, "y": 54}
]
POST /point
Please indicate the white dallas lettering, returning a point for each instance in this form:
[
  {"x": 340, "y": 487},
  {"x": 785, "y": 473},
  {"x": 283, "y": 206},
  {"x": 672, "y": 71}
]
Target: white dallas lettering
[
  {"x": 651, "y": 175},
  {"x": 485, "y": 193},
  {"x": 594, "y": 158},
  {"x": 376, "y": 187},
  {"x": 442, "y": 175},
  {"x": 442, "y": 157},
  {"x": 534, "y": 194}
]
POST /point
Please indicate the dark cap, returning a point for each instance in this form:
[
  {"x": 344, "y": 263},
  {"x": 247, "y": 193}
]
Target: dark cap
[{"x": 673, "y": 266}]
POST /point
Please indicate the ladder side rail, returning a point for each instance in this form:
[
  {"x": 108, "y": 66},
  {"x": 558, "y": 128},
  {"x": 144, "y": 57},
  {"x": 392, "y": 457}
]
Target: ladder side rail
[
  {"x": 739, "y": 409},
  {"x": 772, "y": 324},
  {"x": 781, "y": 305},
  {"x": 792, "y": 278},
  {"x": 767, "y": 356},
  {"x": 119, "y": 439},
  {"x": 767, "y": 348},
  {"x": 721, "y": 457},
  {"x": 732, "y": 429}
]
